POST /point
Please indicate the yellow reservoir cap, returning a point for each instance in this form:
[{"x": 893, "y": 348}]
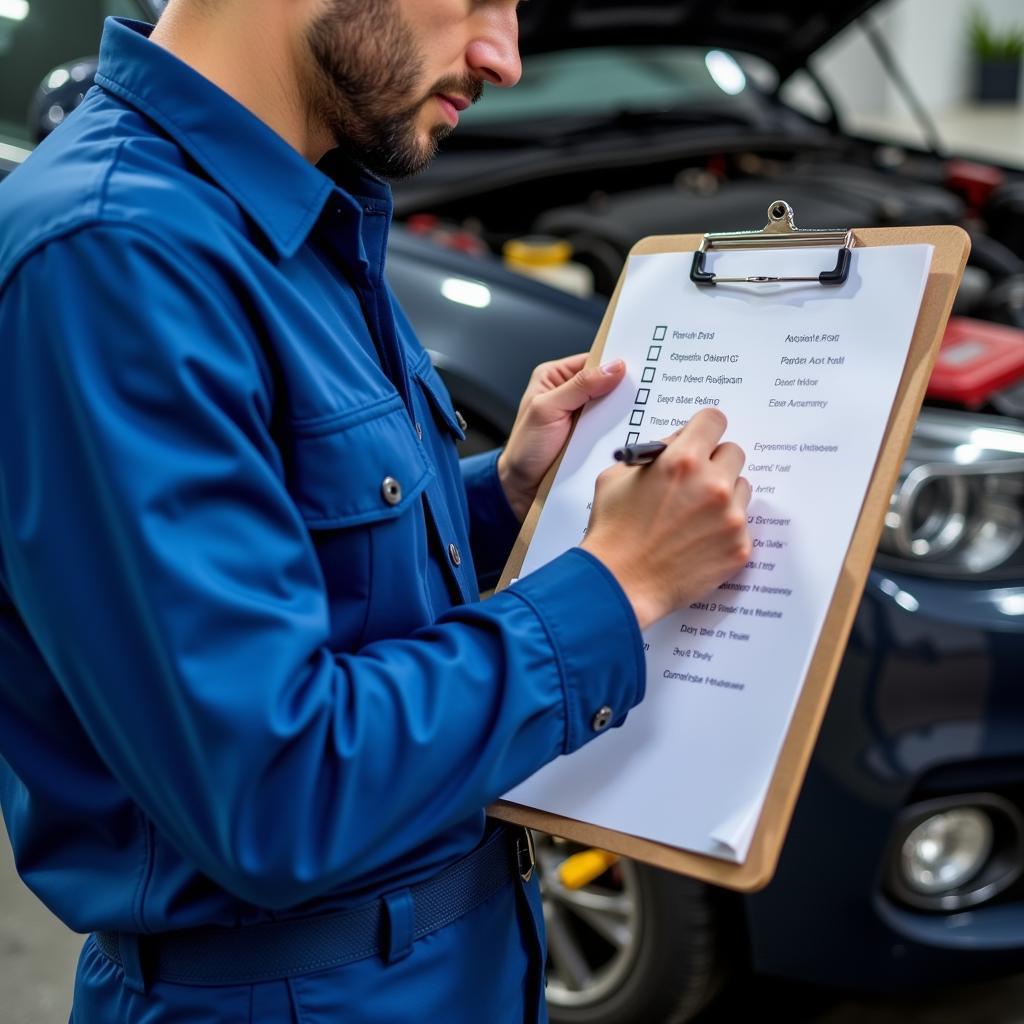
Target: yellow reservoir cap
[
  {"x": 585, "y": 867},
  {"x": 537, "y": 251}
]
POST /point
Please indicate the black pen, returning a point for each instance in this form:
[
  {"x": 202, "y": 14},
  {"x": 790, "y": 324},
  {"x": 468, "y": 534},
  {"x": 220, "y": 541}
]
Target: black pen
[{"x": 640, "y": 454}]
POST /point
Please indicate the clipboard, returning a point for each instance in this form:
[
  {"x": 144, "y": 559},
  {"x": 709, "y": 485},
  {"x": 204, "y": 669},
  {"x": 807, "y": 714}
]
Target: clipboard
[{"x": 951, "y": 248}]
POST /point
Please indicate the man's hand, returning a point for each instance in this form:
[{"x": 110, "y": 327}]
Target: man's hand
[
  {"x": 677, "y": 528},
  {"x": 556, "y": 390}
]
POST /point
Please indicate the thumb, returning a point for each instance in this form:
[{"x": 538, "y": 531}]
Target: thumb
[{"x": 581, "y": 388}]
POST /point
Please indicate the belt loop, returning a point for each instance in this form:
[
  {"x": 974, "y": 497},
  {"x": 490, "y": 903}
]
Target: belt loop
[
  {"x": 131, "y": 950},
  {"x": 526, "y": 856},
  {"x": 398, "y": 907}
]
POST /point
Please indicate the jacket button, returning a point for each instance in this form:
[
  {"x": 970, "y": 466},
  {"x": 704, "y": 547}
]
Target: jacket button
[
  {"x": 461, "y": 420},
  {"x": 419, "y": 431},
  {"x": 454, "y": 555},
  {"x": 391, "y": 490},
  {"x": 602, "y": 719}
]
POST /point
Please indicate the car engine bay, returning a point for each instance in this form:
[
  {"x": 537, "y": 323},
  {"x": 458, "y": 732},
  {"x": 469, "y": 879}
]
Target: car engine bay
[{"x": 602, "y": 214}]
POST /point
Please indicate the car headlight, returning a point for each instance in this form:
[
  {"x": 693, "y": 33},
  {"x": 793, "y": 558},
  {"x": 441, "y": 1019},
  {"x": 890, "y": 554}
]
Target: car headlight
[
  {"x": 958, "y": 508},
  {"x": 946, "y": 850},
  {"x": 955, "y": 852}
]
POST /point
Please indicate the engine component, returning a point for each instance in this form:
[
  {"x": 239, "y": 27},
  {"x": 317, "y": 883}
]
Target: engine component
[
  {"x": 977, "y": 359},
  {"x": 1004, "y": 215},
  {"x": 828, "y": 196}
]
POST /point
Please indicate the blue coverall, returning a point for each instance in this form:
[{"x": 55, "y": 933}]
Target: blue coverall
[{"x": 244, "y": 670}]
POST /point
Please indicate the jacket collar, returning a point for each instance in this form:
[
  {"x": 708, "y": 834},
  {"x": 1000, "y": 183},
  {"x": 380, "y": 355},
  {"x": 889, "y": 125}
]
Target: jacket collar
[{"x": 271, "y": 181}]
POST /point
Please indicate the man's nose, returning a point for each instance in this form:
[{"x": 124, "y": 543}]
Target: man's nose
[{"x": 494, "y": 52}]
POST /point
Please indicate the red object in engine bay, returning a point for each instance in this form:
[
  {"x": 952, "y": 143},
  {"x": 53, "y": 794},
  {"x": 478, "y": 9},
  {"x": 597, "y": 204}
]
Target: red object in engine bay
[
  {"x": 974, "y": 181},
  {"x": 977, "y": 359}
]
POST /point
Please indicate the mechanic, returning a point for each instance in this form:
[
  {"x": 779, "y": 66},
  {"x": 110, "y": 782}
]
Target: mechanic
[{"x": 251, "y": 706}]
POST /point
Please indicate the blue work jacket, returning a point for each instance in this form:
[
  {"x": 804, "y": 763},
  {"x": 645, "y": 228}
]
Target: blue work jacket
[{"x": 244, "y": 669}]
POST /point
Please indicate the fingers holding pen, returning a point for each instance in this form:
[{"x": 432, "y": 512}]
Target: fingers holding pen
[
  {"x": 676, "y": 528},
  {"x": 701, "y": 435},
  {"x": 700, "y": 441}
]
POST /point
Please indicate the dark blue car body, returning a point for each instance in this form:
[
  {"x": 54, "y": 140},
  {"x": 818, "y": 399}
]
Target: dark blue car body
[{"x": 928, "y": 704}]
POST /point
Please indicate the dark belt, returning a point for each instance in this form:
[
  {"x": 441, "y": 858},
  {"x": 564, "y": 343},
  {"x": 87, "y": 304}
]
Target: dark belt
[{"x": 282, "y": 949}]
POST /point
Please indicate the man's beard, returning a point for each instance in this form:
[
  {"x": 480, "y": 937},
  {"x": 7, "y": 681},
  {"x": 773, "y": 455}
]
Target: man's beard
[{"x": 366, "y": 70}]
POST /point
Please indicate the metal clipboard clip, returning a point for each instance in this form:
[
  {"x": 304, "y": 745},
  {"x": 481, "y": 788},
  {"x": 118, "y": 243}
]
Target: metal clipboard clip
[{"x": 780, "y": 233}]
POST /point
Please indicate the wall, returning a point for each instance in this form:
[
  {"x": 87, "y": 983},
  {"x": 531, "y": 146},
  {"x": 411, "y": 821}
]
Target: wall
[{"x": 929, "y": 38}]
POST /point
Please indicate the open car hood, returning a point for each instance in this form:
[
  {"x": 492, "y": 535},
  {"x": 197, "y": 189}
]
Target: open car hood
[{"x": 785, "y": 34}]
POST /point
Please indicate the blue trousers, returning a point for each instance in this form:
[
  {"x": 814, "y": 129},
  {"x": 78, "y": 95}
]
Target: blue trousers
[{"x": 484, "y": 968}]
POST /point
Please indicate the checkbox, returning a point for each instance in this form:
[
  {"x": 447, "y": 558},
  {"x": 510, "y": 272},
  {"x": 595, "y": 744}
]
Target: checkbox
[
  {"x": 634, "y": 437},
  {"x": 642, "y": 395},
  {"x": 654, "y": 353},
  {"x": 648, "y": 374},
  {"x": 637, "y": 418},
  {"x": 659, "y": 333}
]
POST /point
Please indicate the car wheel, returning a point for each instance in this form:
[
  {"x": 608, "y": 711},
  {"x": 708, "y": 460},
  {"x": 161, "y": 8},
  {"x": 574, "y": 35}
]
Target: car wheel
[{"x": 634, "y": 945}]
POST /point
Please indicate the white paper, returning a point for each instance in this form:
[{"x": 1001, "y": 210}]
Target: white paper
[{"x": 806, "y": 375}]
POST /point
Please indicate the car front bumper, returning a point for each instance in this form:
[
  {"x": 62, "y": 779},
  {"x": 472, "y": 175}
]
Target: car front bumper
[{"x": 929, "y": 703}]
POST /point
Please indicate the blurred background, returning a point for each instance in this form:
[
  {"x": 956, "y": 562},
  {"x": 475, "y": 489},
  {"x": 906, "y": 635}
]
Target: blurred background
[{"x": 942, "y": 54}]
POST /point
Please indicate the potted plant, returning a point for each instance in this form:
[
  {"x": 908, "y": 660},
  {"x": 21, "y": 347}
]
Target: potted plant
[{"x": 998, "y": 56}]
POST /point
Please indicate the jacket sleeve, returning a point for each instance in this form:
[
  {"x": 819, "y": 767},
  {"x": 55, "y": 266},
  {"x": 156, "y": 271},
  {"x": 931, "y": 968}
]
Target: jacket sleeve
[
  {"x": 161, "y": 566},
  {"x": 493, "y": 526}
]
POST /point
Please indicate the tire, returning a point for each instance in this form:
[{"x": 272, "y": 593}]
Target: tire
[{"x": 669, "y": 957}]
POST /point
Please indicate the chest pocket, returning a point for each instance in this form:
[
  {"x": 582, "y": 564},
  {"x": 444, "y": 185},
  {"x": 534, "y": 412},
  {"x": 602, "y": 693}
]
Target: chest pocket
[
  {"x": 363, "y": 467},
  {"x": 357, "y": 479},
  {"x": 438, "y": 397}
]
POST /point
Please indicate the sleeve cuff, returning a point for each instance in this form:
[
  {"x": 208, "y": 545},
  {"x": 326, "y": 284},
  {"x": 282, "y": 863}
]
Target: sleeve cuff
[
  {"x": 493, "y": 526},
  {"x": 595, "y": 638}
]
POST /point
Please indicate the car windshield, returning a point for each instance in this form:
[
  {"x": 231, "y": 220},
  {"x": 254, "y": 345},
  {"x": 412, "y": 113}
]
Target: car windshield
[
  {"x": 615, "y": 80},
  {"x": 36, "y": 36}
]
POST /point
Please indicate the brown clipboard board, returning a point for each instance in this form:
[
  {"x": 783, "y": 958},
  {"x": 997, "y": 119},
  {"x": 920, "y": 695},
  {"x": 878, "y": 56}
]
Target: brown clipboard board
[{"x": 952, "y": 247}]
